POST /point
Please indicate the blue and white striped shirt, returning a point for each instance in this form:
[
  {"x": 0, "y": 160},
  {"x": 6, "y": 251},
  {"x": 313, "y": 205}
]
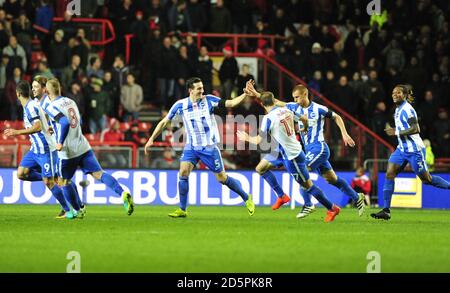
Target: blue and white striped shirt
[
  {"x": 316, "y": 120},
  {"x": 407, "y": 143},
  {"x": 39, "y": 143},
  {"x": 198, "y": 120}
]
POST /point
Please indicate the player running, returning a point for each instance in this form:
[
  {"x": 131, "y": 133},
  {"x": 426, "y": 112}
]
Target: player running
[
  {"x": 39, "y": 94},
  {"x": 410, "y": 149},
  {"x": 202, "y": 139},
  {"x": 279, "y": 123},
  {"x": 40, "y": 161},
  {"x": 316, "y": 149},
  {"x": 74, "y": 150}
]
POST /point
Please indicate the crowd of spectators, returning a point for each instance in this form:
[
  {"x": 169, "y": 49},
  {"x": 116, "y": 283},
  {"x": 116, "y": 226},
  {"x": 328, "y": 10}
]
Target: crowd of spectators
[{"x": 334, "y": 45}]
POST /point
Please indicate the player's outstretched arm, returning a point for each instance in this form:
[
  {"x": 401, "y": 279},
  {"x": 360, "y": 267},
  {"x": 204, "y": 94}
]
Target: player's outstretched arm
[
  {"x": 244, "y": 136},
  {"x": 348, "y": 141},
  {"x": 159, "y": 128},
  {"x": 251, "y": 91},
  {"x": 33, "y": 129}
]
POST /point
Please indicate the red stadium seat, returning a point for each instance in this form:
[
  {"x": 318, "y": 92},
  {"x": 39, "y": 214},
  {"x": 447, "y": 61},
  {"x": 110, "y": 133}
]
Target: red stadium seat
[
  {"x": 124, "y": 126},
  {"x": 144, "y": 127}
]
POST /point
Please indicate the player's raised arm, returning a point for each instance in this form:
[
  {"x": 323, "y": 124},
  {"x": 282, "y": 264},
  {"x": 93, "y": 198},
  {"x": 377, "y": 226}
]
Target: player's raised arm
[
  {"x": 238, "y": 100},
  {"x": 251, "y": 91},
  {"x": 348, "y": 141}
]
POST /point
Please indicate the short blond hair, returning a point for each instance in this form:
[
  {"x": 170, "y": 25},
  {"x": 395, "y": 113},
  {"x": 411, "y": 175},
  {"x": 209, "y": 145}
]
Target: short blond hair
[
  {"x": 54, "y": 86},
  {"x": 300, "y": 87}
]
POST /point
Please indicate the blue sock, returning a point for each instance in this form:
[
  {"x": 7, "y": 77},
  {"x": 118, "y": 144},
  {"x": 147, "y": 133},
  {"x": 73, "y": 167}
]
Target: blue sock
[
  {"x": 34, "y": 175},
  {"x": 80, "y": 203},
  {"x": 388, "y": 190},
  {"x": 320, "y": 196},
  {"x": 439, "y": 182},
  {"x": 346, "y": 189},
  {"x": 272, "y": 180},
  {"x": 183, "y": 189},
  {"x": 306, "y": 197},
  {"x": 112, "y": 183},
  {"x": 234, "y": 185},
  {"x": 58, "y": 194},
  {"x": 70, "y": 195}
]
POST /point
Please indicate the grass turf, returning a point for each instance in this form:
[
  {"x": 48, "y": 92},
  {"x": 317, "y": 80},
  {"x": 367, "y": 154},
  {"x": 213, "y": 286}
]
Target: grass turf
[{"x": 221, "y": 239}]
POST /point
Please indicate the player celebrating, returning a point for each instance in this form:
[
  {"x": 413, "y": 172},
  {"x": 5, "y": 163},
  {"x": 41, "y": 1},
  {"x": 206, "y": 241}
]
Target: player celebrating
[
  {"x": 202, "y": 139},
  {"x": 74, "y": 150},
  {"x": 410, "y": 149},
  {"x": 38, "y": 89},
  {"x": 316, "y": 149},
  {"x": 279, "y": 123},
  {"x": 40, "y": 162}
]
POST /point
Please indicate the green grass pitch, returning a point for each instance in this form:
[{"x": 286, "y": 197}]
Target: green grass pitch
[{"x": 221, "y": 239}]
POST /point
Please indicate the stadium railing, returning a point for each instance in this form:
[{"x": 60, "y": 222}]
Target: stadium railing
[{"x": 99, "y": 32}]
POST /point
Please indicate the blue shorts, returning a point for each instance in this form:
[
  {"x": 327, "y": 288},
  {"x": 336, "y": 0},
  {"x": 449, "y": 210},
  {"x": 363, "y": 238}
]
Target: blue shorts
[
  {"x": 44, "y": 163},
  {"x": 317, "y": 157},
  {"x": 415, "y": 159},
  {"x": 209, "y": 155},
  {"x": 275, "y": 159},
  {"x": 87, "y": 162},
  {"x": 297, "y": 168}
]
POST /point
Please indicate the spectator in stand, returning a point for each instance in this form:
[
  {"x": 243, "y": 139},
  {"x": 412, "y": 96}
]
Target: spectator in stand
[
  {"x": 75, "y": 93},
  {"x": 131, "y": 98},
  {"x": 120, "y": 71},
  {"x": 379, "y": 119},
  {"x": 82, "y": 48},
  {"x": 344, "y": 97},
  {"x": 4, "y": 35},
  {"x": 165, "y": 72},
  {"x": 68, "y": 26},
  {"x": 228, "y": 72},
  {"x": 361, "y": 183},
  {"x": 22, "y": 29},
  {"x": 43, "y": 70},
  {"x": 185, "y": 69},
  {"x": 179, "y": 19},
  {"x": 168, "y": 161},
  {"x": 4, "y": 73},
  {"x": 242, "y": 78},
  {"x": 429, "y": 155},
  {"x": 441, "y": 133},
  {"x": 113, "y": 134},
  {"x": 58, "y": 54},
  {"x": 197, "y": 15},
  {"x": 110, "y": 88},
  {"x": 427, "y": 111},
  {"x": 205, "y": 69},
  {"x": 98, "y": 106},
  {"x": 44, "y": 18},
  {"x": 316, "y": 59},
  {"x": 220, "y": 18},
  {"x": 95, "y": 68},
  {"x": 139, "y": 28},
  {"x": 16, "y": 53},
  {"x": 10, "y": 94},
  {"x": 71, "y": 73},
  {"x": 134, "y": 135},
  {"x": 316, "y": 82},
  {"x": 12, "y": 8}
]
